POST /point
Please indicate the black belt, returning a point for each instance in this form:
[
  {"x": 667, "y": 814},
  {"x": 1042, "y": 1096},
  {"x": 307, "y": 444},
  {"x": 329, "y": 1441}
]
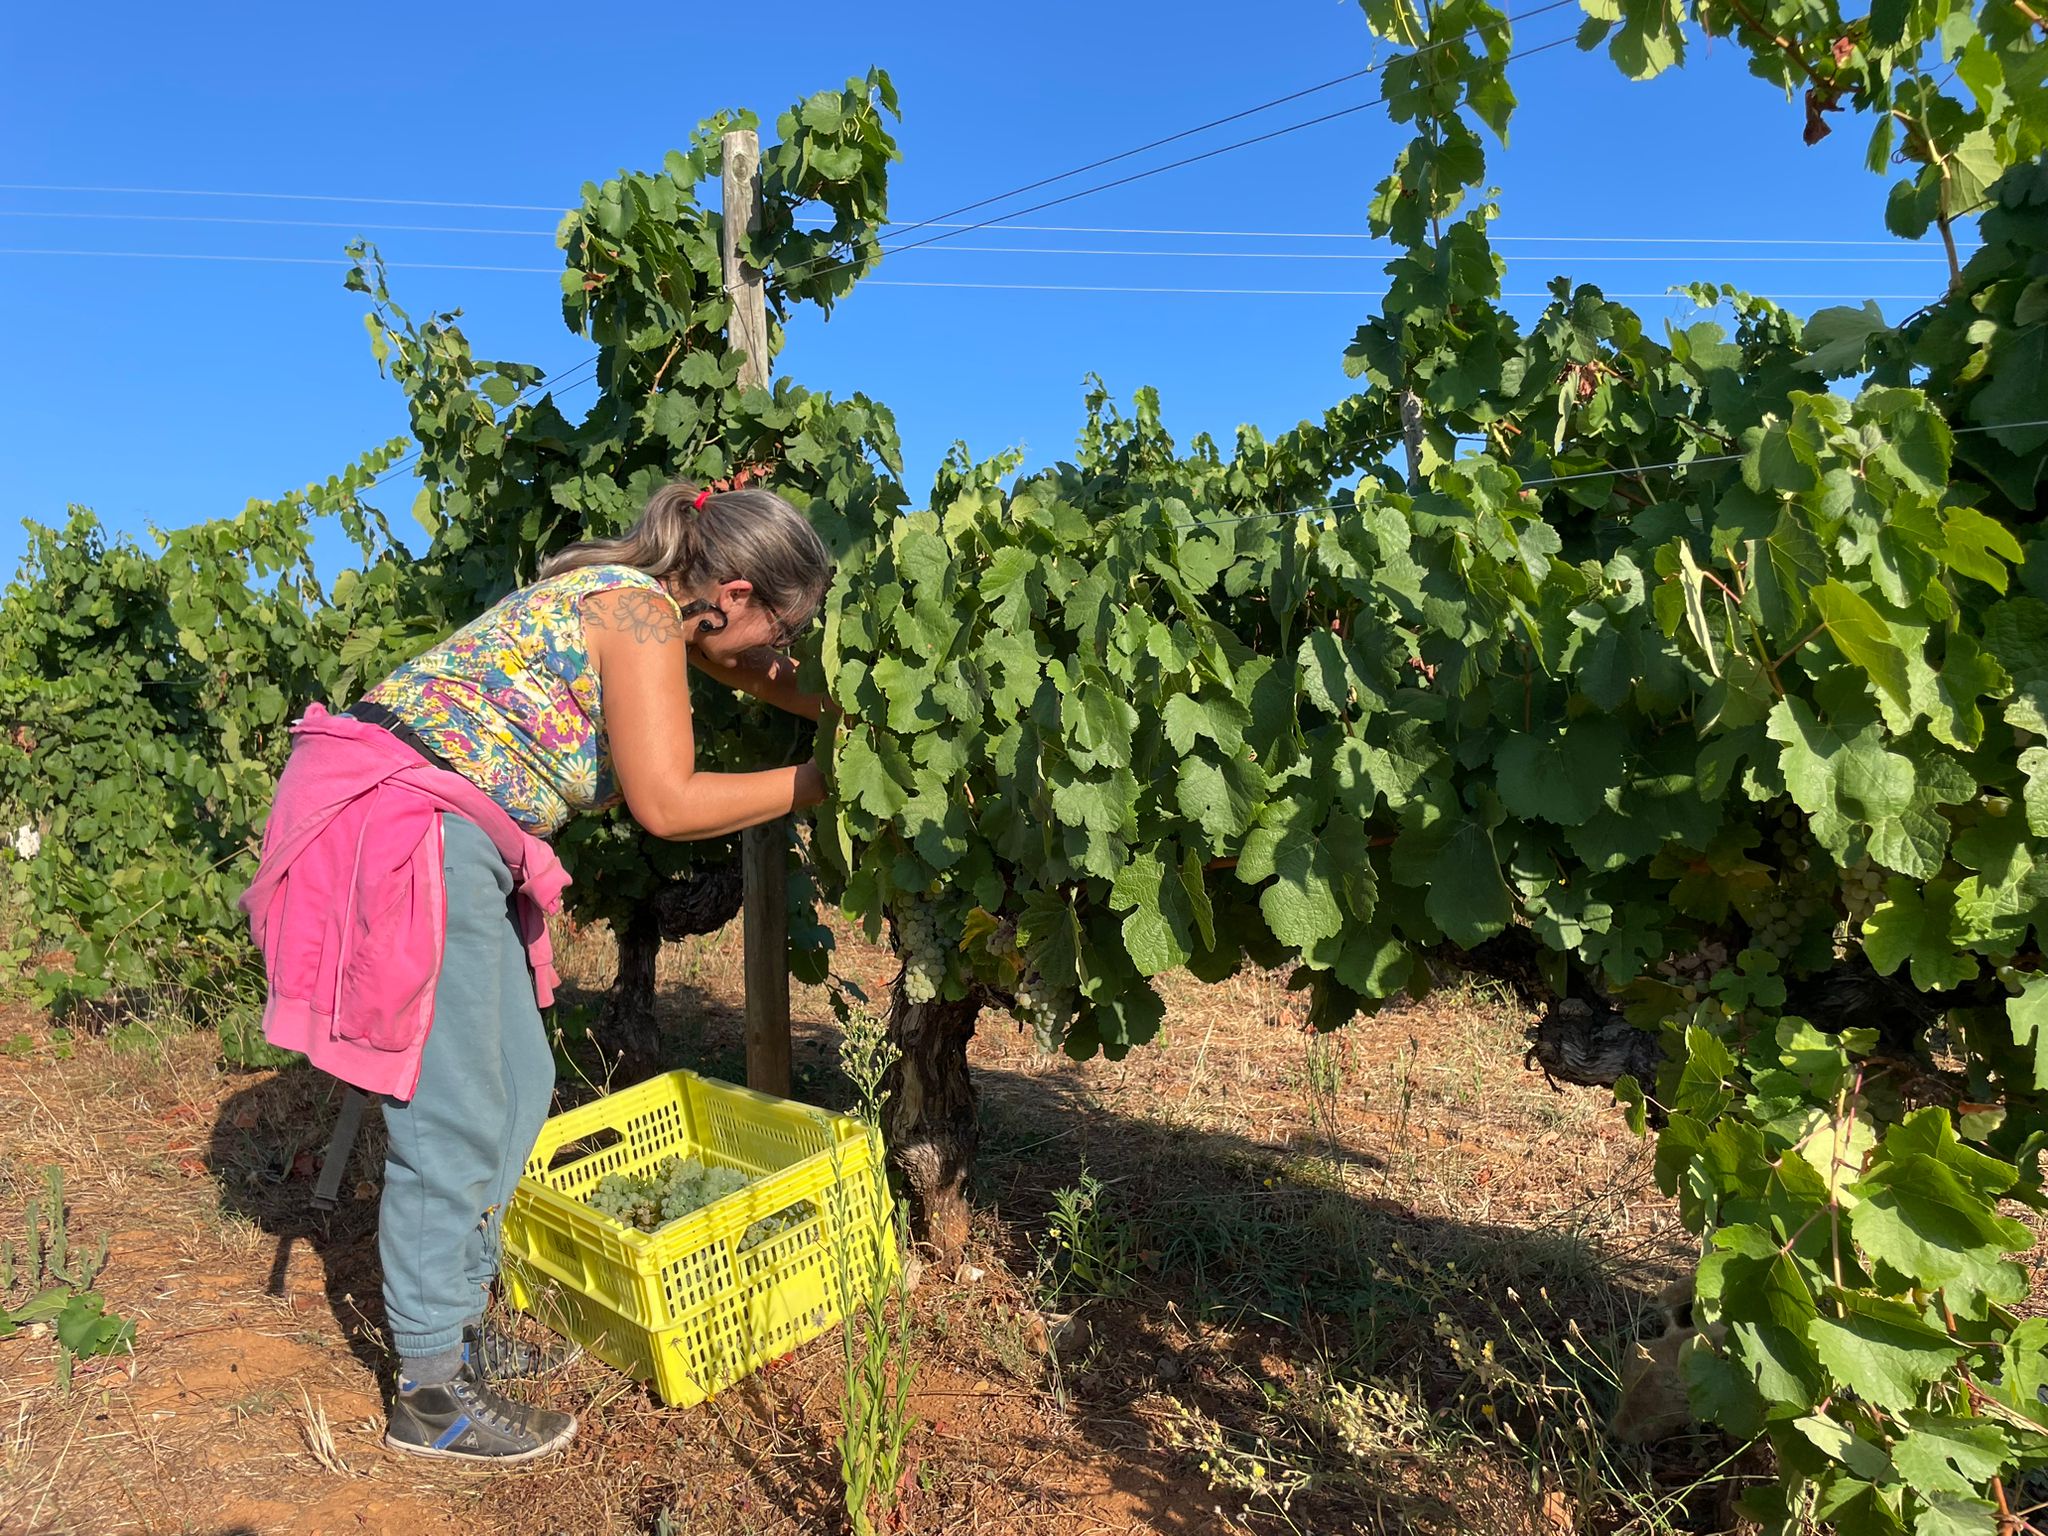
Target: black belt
[{"x": 378, "y": 715}]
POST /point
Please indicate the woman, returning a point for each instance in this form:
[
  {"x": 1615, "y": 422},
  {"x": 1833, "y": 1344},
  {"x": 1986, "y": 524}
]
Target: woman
[{"x": 400, "y": 899}]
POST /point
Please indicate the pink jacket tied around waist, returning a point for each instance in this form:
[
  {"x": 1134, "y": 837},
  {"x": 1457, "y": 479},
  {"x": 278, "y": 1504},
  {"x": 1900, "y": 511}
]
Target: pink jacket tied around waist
[{"x": 350, "y": 906}]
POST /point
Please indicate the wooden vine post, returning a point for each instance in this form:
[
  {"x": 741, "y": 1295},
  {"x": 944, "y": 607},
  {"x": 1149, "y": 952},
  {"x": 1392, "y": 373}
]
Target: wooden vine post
[
  {"x": 1411, "y": 434},
  {"x": 764, "y": 851}
]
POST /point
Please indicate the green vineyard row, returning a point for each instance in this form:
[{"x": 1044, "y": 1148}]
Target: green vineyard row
[{"x": 1720, "y": 690}]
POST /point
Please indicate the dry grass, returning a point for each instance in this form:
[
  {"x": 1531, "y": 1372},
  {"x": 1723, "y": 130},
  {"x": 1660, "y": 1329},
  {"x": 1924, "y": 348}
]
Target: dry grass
[{"x": 1373, "y": 1282}]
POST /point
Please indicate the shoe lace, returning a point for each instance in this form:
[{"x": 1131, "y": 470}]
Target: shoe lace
[
  {"x": 491, "y": 1351},
  {"x": 497, "y": 1412}
]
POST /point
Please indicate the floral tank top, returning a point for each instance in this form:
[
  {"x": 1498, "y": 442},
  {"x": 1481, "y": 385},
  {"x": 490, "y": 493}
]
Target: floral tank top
[{"x": 512, "y": 703}]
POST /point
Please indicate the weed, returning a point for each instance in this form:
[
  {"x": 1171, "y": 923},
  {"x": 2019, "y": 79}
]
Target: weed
[
  {"x": 1002, "y": 1337},
  {"x": 62, "y": 1299},
  {"x": 1283, "y": 1250},
  {"x": 1555, "y": 1113},
  {"x": 17, "y": 1444},
  {"x": 1094, "y": 1246},
  {"x": 1323, "y": 1064},
  {"x": 1323, "y": 1070},
  {"x": 1532, "y": 1378},
  {"x": 877, "y": 1367},
  {"x": 1253, "y": 1466},
  {"x": 1407, "y": 1079},
  {"x": 865, "y": 1057},
  {"x": 135, "y": 1037},
  {"x": 236, "y": 1231},
  {"x": 259, "y": 1404},
  {"x": 1370, "y": 1418},
  {"x": 240, "y": 1033}
]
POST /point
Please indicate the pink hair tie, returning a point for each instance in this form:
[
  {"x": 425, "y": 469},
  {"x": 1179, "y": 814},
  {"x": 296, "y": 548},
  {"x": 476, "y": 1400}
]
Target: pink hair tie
[{"x": 702, "y": 497}]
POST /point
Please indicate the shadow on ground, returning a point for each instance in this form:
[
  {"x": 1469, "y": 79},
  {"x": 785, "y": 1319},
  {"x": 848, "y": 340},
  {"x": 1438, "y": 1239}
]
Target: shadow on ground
[{"x": 1259, "y": 1318}]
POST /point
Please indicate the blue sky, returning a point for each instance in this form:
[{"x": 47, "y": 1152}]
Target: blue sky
[{"x": 171, "y": 390}]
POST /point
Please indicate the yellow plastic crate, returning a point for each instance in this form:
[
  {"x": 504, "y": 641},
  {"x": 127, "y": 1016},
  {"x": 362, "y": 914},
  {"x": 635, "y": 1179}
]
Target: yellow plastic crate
[{"x": 688, "y": 1307}]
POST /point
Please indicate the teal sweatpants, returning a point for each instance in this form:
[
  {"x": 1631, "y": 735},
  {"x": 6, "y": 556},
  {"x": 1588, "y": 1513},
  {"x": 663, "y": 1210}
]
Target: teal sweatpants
[{"x": 486, "y": 1080}]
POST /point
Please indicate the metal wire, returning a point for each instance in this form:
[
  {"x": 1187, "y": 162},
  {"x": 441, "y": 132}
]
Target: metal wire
[
  {"x": 1173, "y": 165},
  {"x": 885, "y": 282},
  {"x": 1002, "y": 227},
  {"x": 290, "y": 197},
  {"x": 1102, "y": 250},
  {"x": 1019, "y": 191},
  {"x": 1216, "y": 122}
]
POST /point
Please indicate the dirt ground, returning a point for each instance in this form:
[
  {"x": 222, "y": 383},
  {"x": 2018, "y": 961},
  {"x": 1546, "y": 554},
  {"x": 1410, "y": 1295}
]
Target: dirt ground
[{"x": 1377, "y": 1281}]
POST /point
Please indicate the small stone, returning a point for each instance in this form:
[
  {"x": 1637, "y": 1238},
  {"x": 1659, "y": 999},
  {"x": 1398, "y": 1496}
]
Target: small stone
[
  {"x": 1067, "y": 1333},
  {"x": 1034, "y": 1333}
]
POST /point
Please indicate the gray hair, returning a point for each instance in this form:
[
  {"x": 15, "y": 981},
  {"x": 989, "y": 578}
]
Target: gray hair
[{"x": 745, "y": 535}]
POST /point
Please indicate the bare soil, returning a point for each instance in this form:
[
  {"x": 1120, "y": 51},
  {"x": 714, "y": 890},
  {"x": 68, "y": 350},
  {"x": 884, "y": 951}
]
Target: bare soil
[{"x": 1372, "y": 1282}]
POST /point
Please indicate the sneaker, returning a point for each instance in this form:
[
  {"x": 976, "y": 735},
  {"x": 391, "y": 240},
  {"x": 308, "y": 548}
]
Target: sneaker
[
  {"x": 464, "y": 1419},
  {"x": 499, "y": 1356}
]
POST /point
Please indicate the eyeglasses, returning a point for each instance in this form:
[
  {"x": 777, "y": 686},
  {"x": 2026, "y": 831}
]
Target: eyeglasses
[{"x": 785, "y": 633}]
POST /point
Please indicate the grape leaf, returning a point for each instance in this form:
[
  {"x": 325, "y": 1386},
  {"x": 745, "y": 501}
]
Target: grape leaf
[
  {"x": 2034, "y": 764},
  {"x": 1918, "y": 924},
  {"x": 1194, "y": 883},
  {"x": 1997, "y": 903},
  {"x": 1954, "y": 1514},
  {"x": 1915, "y": 1214},
  {"x": 1217, "y": 716},
  {"x": 1099, "y": 725},
  {"x": 1099, "y": 803},
  {"x": 1562, "y": 778},
  {"x": 2028, "y": 1014},
  {"x": 1220, "y": 796},
  {"x": 1864, "y": 638},
  {"x": 1855, "y": 788},
  {"x": 1454, "y": 858},
  {"x": 1006, "y": 586},
  {"x": 1882, "y": 1350},
  {"x": 1157, "y": 928},
  {"x": 863, "y": 777},
  {"x": 1944, "y": 1453}
]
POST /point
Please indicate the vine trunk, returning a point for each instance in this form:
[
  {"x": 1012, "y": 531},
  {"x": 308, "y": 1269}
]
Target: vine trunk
[
  {"x": 703, "y": 900},
  {"x": 629, "y": 1027},
  {"x": 932, "y": 1128}
]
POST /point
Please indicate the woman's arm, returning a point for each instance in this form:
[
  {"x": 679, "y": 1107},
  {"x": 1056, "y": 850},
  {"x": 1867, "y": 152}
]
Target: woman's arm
[
  {"x": 636, "y": 644},
  {"x": 768, "y": 675}
]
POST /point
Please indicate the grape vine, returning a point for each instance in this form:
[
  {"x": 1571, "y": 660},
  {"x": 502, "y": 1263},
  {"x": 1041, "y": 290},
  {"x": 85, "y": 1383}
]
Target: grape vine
[
  {"x": 144, "y": 697},
  {"x": 1719, "y": 688},
  {"x": 1716, "y": 686}
]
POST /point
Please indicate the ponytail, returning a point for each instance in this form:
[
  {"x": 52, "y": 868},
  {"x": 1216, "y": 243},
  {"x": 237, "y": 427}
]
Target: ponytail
[{"x": 686, "y": 536}]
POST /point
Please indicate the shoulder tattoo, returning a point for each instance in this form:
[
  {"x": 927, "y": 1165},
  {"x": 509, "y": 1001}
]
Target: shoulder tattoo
[{"x": 635, "y": 612}]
